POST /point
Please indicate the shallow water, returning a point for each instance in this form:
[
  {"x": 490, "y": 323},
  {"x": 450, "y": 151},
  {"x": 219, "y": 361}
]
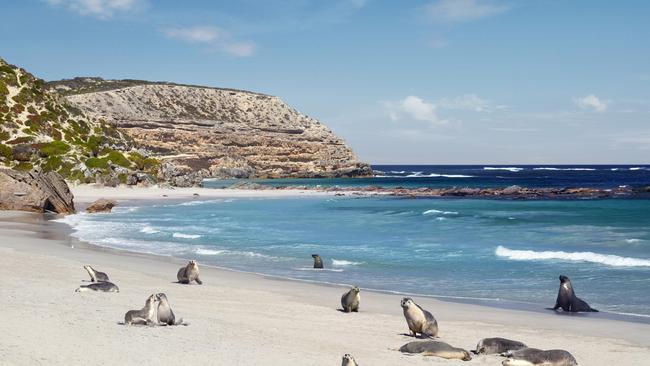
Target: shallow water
[{"x": 467, "y": 248}]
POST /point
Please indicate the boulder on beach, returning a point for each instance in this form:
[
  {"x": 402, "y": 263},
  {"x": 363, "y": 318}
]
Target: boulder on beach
[
  {"x": 101, "y": 205},
  {"x": 35, "y": 191}
]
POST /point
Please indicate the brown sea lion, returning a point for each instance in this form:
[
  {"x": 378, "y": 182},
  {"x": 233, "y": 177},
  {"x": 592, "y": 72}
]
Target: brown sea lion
[{"x": 189, "y": 273}]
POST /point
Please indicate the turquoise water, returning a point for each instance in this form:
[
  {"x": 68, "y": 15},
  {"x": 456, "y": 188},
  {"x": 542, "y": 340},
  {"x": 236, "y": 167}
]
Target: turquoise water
[{"x": 466, "y": 248}]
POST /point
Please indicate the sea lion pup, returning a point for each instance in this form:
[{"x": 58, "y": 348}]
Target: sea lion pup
[
  {"x": 554, "y": 357},
  {"x": 189, "y": 273},
  {"x": 436, "y": 348},
  {"x": 567, "y": 299},
  {"x": 99, "y": 286},
  {"x": 350, "y": 300},
  {"x": 348, "y": 360},
  {"x": 164, "y": 312},
  {"x": 489, "y": 346},
  {"x": 146, "y": 315},
  {"x": 96, "y": 276},
  {"x": 318, "y": 262},
  {"x": 418, "y": 319},
  {"x": 524, "y": 352}
]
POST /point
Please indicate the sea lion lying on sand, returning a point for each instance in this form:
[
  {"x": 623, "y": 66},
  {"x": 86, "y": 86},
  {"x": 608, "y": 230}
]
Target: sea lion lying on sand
[
  {"x": 418, "y": 319},
  {"x": 99, "y": 286},
  {"x": 489, "y": 346},
  {"x": 567, "y": 299},
  {"x": 146, "y": 315},
  {"x": 436, "y": 348},
  {"x": 96, "y": 276},
  {"x": 554, "y": 357},
  {"x": 189, "y": 273},
  {"x": 350, "y": 300}
]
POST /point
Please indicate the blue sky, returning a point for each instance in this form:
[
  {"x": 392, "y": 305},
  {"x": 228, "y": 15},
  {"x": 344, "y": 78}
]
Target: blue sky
[{"x": 432, "y": 81}]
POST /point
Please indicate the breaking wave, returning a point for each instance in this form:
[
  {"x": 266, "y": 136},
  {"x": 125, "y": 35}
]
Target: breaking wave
[
  {"x": 510, "y": 169},
  {"x": 186, "y": 236},
  {"x": 606, "y": 259}
]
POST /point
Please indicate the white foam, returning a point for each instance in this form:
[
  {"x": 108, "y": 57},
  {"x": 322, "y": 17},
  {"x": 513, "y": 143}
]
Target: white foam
[
  {"x": 186, "y": 236},
  {"x": 149, "y": 230},
  {"x": 510, "y": 169},
  {"x": 435, "y": 175},
  {"x": 606, "y": 259},
  {"x": 196, "y": 203},
  {"x": 565, "y": 169},
  {"x": 636, "y": 168},
  {"x": 202, "y": 251},
  {"x": 344, "y": 263},
  {"x": 438, "y": 212},
  {"x": 632, "y": 241}
]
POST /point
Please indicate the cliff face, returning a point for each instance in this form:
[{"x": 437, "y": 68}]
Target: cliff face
[
  {"x": 39, "y": 129},
  {"x": 217, "y": 132}
]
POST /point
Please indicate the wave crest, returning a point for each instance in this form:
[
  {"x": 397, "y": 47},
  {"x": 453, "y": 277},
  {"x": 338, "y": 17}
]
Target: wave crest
[
  {"x": 606, "y": 259},
  {"x": 186, "y": 236}
]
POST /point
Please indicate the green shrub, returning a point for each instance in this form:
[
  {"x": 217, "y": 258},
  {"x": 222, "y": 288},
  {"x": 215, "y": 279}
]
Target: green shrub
[
  {"x": 101, "y": 163},
  {"x": 52, "y": 164},
  {"x": 119, "y": 159},
  {"x": 23, "y": 166},
  {"x": 54, "y": 148},
  {"x": 5, "y": 151},
  {"x": 4, "y": 135},
  {"x": 122, "y": 178}
]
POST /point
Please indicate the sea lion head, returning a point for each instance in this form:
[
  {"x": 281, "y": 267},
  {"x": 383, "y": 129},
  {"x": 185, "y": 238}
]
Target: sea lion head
[
  {"x": 152, "y": 298},
  {"x": 348, "y": 360},
  {"x": 192, "y": 263},
  {"x": 564, "y": 279},
  {"x": 161, "y": 297},
  {"x": 88, "y": 268},
  {"x": 355, "y": 289},
  {"x": 466, "y": 356},
  {"x": 315, "y": 256},
  {"x": 407, "y": 302}
]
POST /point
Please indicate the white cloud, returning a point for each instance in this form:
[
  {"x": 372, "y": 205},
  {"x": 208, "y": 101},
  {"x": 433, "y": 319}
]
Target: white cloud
[
  {"x": 458, "y": 11},
  {"x": 414, "y": 108},
  {"x": 468, "y": 102},
  {"x": 591, "y": 102},
  {"x": 103, "y": 9},
  {"x": 214, "y": 38}
]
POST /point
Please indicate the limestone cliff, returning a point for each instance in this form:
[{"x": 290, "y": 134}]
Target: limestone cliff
[{"x": 217, "y": 132}]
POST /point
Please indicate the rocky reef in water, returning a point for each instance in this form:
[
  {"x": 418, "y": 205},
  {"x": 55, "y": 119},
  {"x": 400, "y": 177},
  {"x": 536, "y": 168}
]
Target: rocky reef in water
[{"x": 199, "y": 132}]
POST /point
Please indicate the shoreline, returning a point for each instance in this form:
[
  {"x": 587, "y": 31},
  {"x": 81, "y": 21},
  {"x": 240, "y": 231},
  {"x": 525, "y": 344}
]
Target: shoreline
[
  {"x": 372, "y": 337},
  {"x": 86, "y": 194}
]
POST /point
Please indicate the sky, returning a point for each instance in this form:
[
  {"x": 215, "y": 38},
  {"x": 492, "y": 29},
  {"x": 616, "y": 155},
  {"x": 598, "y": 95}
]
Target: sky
[{"x": 403, "y": 82}]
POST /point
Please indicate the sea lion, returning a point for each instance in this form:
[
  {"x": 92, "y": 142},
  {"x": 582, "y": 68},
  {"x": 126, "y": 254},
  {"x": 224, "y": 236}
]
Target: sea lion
[
  {"x": 348, "y": 360},
  {"x": 189, "y": 273},
  {"x": 436, "y": 348},
  {"x": 318, "y": 262},
  {"x": 350, "y": 300},
  {"x": 418, "y": 319},
  {"x": 96, "y": 276},
  {"x": 489, "y": 346},
  {"x": 524, "y": 352},
  {"x": 567, "y": 299},
  {"x": 554, "y": 357},
  {"x": 164, "y": 313},
  {"x": 145, "y": 315},
  {"x": 99, "y": 286}
]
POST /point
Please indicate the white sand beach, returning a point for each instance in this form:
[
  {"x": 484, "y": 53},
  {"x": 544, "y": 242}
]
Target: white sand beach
[{"x": 240, "y": 318}]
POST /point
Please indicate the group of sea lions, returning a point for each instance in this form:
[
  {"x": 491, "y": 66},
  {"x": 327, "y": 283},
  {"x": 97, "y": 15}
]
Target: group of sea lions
[
  {"x": 421, "y": 322},
  {"x": 156, "y": 310}
]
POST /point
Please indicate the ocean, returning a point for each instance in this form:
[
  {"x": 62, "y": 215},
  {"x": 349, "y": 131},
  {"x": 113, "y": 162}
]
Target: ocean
[{"x": 493, "y": 251}]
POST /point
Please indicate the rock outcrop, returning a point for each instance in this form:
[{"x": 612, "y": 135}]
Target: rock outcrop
[
  {"x": 35, "y": 191},
  {"x": 213, "y": 132},
  {"x": 101, "y": 205}
]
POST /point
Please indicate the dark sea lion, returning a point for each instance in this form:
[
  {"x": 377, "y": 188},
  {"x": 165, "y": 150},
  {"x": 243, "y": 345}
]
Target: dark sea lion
[
  {"x": 524, "y": 352},
  {"x": 489, "y": 346},
  {"x": 96, "y": 276},
  {"x": 436, "y": 348},
  {"x": 99, "y": 286},
  {"x": 554, "y": 357},
  {"x": 350, "y": 300},
  {"x": 145, "y": 315},
  {"x": 189, "y": 273},
  {"x": 318, "y": 262},
  {"x": 567, "y": 299},
  {"x": 348, "y": 360},
  {"x": 418, "y": 319}
]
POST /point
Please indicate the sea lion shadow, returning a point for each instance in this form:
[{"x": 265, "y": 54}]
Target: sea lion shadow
[
  {"x": 346, "y": 312},
  {"x": 568, "y": 313},
  {"x": 417, "y": 336}
]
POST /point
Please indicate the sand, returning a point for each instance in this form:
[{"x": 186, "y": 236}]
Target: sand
[{"x": 240, "y": 318}]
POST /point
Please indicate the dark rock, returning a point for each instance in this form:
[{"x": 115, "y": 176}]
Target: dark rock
[
  {"x": 35, "y": 191},
  {"x": 22, "y": 152},
  {"x": 101, "y": 205}
]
